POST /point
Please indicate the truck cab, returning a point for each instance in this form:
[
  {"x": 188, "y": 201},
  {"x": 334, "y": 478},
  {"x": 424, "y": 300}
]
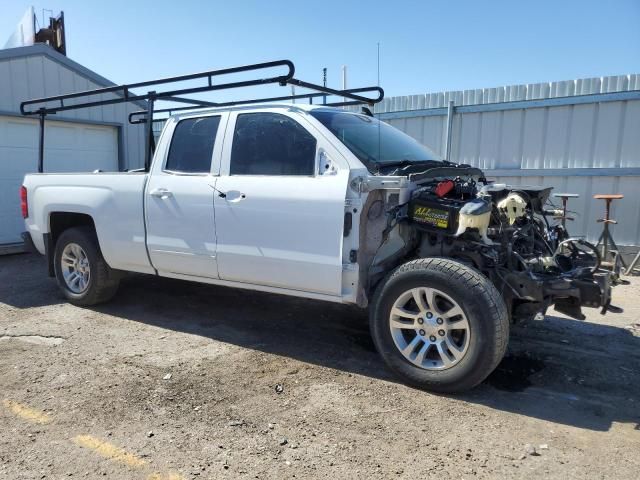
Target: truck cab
[{"x": 252, "y": 196}]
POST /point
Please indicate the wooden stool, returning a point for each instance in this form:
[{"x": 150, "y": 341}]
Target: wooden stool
[
  {"x": 605, "y": 238},
  {"x": 565, "y": 198}
]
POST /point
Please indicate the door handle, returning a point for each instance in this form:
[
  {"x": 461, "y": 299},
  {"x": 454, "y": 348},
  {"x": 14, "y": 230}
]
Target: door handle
[
  {"x": 162, "y": 193},
  {"x": 234, "y": 196}
]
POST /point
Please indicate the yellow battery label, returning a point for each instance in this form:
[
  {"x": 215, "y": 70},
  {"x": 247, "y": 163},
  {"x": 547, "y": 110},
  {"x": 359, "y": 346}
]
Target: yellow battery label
[{"x": 431, "y": 216}]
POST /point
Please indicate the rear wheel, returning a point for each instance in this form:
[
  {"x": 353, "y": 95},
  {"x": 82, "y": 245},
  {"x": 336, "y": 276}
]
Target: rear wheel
[
  {"x": 439, "y": 324},
  {"x": 82, "y": 273}
]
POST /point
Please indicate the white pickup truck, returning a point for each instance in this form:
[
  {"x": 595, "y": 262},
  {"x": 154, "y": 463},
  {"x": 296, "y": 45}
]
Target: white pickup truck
[{"x": 332, "y": 205}]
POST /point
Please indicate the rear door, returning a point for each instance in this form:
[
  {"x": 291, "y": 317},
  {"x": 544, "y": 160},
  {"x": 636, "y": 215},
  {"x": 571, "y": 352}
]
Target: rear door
[
  {"x": 280, "y": 214},
  {"x": 181, "y": 234}
]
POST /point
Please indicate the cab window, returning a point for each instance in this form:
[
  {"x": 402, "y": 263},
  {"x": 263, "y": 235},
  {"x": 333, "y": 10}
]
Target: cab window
[
  {"x": 271, "y": 144},
  {"x": 191, "y": 147}
]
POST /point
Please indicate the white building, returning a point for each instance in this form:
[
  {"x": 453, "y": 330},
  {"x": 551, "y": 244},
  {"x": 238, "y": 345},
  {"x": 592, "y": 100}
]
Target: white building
[{"x": 76, "y": 140}]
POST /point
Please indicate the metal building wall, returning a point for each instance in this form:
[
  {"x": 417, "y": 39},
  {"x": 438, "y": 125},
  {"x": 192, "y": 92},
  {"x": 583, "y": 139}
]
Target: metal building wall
[
  {"x": 39, "y": 71},
  {"x": 580, "y": 136}
]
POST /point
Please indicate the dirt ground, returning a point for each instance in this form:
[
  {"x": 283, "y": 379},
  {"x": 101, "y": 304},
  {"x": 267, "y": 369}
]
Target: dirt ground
[{"x": 174, "y": 380}]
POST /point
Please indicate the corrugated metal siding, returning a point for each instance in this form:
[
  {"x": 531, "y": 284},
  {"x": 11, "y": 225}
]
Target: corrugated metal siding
[
  {"x": 511, "y": 93},
  {"x": 529, "y": 140},
  {"x": 37, "y": 76}
]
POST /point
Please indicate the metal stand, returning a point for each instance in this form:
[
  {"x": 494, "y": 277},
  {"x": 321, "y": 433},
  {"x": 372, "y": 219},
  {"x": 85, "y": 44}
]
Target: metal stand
[
  {"x": 606, "y": 239},
  {"x": 565, "y": 198},
  {"x": 150, "y": 143},
  {"x": 632, "y": 267}
]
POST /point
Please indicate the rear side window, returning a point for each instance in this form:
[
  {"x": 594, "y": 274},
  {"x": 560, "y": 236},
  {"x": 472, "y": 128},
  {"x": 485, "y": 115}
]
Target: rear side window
[
  {"x": 192, "y": 145},
  {"x": 271, "y": 144}
]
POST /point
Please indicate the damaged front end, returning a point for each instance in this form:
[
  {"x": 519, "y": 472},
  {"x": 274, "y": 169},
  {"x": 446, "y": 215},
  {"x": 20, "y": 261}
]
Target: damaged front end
[
  {"x": 529, "y": 291},
  {"x": 506, "y": 232}
]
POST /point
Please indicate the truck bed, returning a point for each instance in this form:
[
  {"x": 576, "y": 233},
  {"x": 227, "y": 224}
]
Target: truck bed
[{"x": 113, "y": 200}]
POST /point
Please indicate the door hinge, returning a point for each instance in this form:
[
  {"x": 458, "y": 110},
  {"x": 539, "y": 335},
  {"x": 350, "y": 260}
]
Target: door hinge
[{"x": 353, "y": 256}]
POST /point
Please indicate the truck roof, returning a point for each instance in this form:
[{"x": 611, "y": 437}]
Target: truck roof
[{"x": 259, "y": 106}]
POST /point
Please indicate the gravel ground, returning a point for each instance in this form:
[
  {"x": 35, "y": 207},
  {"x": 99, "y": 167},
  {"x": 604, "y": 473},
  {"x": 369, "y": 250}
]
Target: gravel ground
[{"x": 174, "y": 380}]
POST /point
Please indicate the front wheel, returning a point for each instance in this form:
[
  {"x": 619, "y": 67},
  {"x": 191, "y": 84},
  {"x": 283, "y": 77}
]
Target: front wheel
[
  {"x": 439, "y": 324},
  {"x": 82, "y": 273}
]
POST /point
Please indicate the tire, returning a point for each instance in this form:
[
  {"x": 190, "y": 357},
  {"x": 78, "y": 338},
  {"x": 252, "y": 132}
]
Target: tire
[
  {"x": 101, "y": 282},
  {"x": 459, "y": 351}
]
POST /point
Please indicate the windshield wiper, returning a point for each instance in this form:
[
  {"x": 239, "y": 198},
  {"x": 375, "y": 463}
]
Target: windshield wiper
[
  {"x": 394, "y": 163},
  {"x": 405, "y": 162}
]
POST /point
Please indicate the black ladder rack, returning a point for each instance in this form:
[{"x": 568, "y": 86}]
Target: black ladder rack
[{"x": 124, "y": 94}]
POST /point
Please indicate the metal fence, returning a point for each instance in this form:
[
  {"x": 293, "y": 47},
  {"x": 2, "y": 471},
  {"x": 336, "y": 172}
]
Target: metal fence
[{"x": 579, "y": 136}]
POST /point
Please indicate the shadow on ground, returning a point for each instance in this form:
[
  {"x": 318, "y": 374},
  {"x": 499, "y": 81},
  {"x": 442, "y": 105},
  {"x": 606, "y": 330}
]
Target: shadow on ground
[
  {"x": 24, "y": 282},
  {"x": 575, "y": 373}
]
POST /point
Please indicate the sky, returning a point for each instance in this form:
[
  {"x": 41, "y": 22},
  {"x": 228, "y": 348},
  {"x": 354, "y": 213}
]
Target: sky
[{"x": 425, "y": 46}]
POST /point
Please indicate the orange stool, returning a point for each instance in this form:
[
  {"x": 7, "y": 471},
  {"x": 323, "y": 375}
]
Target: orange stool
[{"x": 605, "y": 238}]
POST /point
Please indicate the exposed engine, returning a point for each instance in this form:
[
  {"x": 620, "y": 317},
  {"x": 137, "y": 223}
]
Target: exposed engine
[{"x": 504, "y": 232}]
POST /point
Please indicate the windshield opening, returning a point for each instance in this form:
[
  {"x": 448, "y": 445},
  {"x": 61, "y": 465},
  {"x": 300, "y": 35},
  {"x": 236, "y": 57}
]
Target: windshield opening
[{"x": 375, "y": 143}]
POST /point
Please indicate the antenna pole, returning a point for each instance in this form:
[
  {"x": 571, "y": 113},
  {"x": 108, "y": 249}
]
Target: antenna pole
[
  {"x": 324, "y": 83},
  {"x": 344, "y": 80}
]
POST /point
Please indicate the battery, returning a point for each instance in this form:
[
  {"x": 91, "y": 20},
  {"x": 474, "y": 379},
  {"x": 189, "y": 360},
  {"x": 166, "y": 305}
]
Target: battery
[{"x": 435, "y": 214}]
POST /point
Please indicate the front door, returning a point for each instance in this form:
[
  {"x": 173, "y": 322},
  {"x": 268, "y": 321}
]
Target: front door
[
  {"x": 278, "y": 221},
  {"x": 181, "y": 235}
]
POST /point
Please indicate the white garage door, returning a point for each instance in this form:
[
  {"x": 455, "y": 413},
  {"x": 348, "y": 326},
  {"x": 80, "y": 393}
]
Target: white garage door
[{"x": 69, "y": 147}]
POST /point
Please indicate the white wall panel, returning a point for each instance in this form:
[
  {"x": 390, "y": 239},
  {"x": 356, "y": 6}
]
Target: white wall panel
[
  {"x": 581, "y": 136},
  {"x": 557, "y": 132},
  {"x": 535, "y": 125},
  {"x": 468, "y": 139},
  {"x": 35, "y": 77},
  {"x": 433, "y": 133},
  {"x": 608, "y": 134},
  {"x": 510, "y": 140},
  {"x": 414, "y": 127},
  {"x": 630, "y": 148},
  {"x": 19, "y": 84},
  {"x": 628, "y": 211},
  {"x": 6, "y": 96},
  {"x": 490, "y": 140}
]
